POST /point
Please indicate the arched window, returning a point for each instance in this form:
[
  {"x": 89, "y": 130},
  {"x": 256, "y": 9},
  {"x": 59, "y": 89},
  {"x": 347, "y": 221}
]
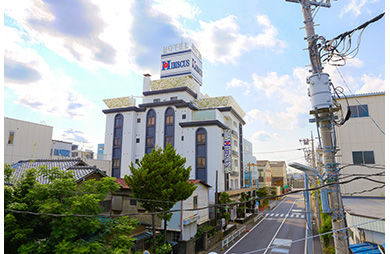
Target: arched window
[
  {"x": 150, "y": 131},
  {"x": 117, "y": 146},
  {"x": 169, "y": 128},
  {"x": 201, "y": 154}
]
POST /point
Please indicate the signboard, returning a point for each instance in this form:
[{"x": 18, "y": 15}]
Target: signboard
[
  {"x": 227, "y": 138},
  {"x": 181, "y": 59}
]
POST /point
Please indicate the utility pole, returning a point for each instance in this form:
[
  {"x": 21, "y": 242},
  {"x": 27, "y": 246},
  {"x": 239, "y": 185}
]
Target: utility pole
[{"x": 322, "y": 108}]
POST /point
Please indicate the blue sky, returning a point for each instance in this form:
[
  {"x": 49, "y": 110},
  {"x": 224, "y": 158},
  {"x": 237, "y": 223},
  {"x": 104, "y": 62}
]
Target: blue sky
[{"x": 62, "y": 58}]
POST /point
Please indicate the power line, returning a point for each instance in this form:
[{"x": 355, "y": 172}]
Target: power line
[
  {"x": 369, "y": 190},
  {"x": 372, "y": 119},
  {"x": 190, "y": 209}
]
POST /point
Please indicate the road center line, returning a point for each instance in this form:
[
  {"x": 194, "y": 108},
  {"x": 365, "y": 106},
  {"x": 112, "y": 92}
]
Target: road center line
[{"x": 280, "y": 227}]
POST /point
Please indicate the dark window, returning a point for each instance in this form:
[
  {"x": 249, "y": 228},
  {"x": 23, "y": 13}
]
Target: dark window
[
  {"x": 363, "y": 157},
  {"x": 201, "y": 154},
  {"x": 117, "y": 146},
  {"x": 150, "y": 120},
  {"x": 195, "y": 203},
  {"x": 201, "y": 161},
  {"x": 150, "y": 130},
  {"x": 359, "y": 110},
  {"x": 169, "y": 127},
  {"x": 75, "y": 154},
  {"x": 201, "y": 138},
  {"x": 156, "y": 100},
  {"x": 137, "y": 140},
  {"x": 149, "y": 141},
  {"x": 136, "y": 161},
  {"x": 133, "y": 202},
  {"x": 138, "y": 120},
  {"x": 183, "y": 116},
  {"x": 168, "y": 140},
  {"x": 169, "y": 120},
  {"x": 11, "y": 138},
  {"x": 174, "y": 98},
  {"x": 182, "y": 138},
  {"x": 118, "y": 121}
]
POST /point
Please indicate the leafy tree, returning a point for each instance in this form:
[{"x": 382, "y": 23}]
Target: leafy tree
[
  {"x": 41, "y": 233},
  {"x": 159, "y": 181},
  {"x": 262, "y": 193},
  {"x": 241, "y": 207},
  {"x": 224, "y": 198}
]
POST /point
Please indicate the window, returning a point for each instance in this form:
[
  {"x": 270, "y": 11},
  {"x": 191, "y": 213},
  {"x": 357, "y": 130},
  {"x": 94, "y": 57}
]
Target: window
[
  {"x": 75, "y": 154},
  {"x": 201, "y": 138},
  {"x": 169, "y": 128},
  {"x": 174, "y": 98},
  {"x": 133, "y": 202},
  {"x": 195, "y": 203},
  {"x": 117, "y": 141},
  {"x": 150, "y": 130},
  {"x": 168, "y": 140},
  {"x": 359, "y": 110},
  {"x": 156, "y": 100},
  {"x": 137, "y": 140},
  {"x": 201, "y": 154},
  {"x": 169, "y": 120},
  {"x": 363, "y": 157},
  {"x": 138, "y": 120},
  {"x": 183, "y": 116},
  {"x": 136, "y": 161},
  {"x": 149, "y": 141},
  {"x": 201, "y": 162},
  {"x": 182, "y": 138},
  {"x": 118, "y": 121},
  {"x": 116, "y": 163},
  {"x": 150, "y": 120},
  {"x": 11, "y": 138},
  {"x": 235, "y": 143}
]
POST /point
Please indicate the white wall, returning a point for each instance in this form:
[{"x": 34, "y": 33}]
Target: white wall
[{"x": 31, "y": 140}]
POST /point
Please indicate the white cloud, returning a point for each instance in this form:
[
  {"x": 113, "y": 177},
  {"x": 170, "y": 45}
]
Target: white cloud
[
  {"x": 36, "y": 85},
  {"x": 221, "y": 40},
  {"x": 78, "y": 137},
  {"x": 371, "y": 84},
  {"x": 260, "y": 136},
  {"x": 356, "y": 7},
  {"x": 236, "y": 83},
  {"x": 176, "y": 9}
]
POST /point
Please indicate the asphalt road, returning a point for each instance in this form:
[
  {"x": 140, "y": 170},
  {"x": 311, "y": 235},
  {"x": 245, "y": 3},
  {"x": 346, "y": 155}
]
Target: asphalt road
[{"x": 278, "y": 230}]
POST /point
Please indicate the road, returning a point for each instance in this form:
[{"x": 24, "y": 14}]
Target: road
[{"x": 280, "y": 227}]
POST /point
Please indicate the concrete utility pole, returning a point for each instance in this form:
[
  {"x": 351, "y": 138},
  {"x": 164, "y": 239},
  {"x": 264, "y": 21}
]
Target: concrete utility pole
[{"x": 322, "y": 108}]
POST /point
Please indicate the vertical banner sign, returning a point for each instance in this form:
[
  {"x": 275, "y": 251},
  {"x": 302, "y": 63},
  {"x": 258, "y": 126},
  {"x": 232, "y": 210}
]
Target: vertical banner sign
[{"x": 227, "y": 137}]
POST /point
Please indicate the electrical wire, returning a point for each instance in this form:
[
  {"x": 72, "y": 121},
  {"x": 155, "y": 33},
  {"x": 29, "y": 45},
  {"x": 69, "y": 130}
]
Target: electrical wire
[
  {"x": 372, "y": 119},
  {"x": 360, "y": 192},
  {"x": 194, "y": 209}
]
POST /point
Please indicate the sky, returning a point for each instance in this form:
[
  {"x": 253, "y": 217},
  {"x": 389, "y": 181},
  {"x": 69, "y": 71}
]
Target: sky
[{"x": 62, "y": 58}]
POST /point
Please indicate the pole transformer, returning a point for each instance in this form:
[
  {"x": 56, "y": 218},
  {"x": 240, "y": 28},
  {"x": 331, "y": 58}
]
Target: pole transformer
[{"x": 322, "y": 108}]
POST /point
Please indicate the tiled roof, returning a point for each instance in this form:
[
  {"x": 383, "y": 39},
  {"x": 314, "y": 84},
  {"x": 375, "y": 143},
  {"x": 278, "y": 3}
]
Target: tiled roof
[
  {"x": 262, "y": 163},
  {"x": 195, "y": 181},
  {"x": 79, "y": 167},
  {"x": 122, "y": 182}
]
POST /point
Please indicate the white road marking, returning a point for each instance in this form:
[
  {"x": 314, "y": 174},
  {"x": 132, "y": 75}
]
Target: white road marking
[{"x": 279, "y": 228}]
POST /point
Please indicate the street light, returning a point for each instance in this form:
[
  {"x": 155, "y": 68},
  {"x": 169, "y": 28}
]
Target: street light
[{"x": 324, "y": 195}]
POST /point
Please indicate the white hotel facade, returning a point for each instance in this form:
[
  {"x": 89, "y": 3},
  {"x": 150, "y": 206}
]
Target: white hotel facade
[{"x": 207, "y": 131}]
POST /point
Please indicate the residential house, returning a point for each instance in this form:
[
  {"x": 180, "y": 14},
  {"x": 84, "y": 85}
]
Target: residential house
[
  {"x": 278, "y": 173},
  {"x": 265, "y": 176}
]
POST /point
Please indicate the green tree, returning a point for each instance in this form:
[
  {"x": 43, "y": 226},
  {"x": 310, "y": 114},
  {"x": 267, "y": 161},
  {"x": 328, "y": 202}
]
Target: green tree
[
  {"x": 40, "y": 233},
  {"x": 224, "y": 198},
  {"x": 159, "y": 181}
]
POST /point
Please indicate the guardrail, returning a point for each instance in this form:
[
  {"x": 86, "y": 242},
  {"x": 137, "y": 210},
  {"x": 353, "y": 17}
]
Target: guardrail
[{"x": 226, "y": 241}]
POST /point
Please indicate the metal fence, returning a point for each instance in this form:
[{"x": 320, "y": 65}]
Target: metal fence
[{"x": 226, "y": 241}]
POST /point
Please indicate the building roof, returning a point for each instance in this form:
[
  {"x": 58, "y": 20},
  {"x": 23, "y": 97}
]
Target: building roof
[
  {"x": 195, "y": 181},
  {"x": 80, "y": 169},
  {"x": 122, "y": 182},
  {"x": 365, "y": 206},
  {"x": 366, "y": 248},
  {"x": 262, "y": 163},
  {"x": 363, "y": 94},
  {"x": 277, "y": 163}
]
